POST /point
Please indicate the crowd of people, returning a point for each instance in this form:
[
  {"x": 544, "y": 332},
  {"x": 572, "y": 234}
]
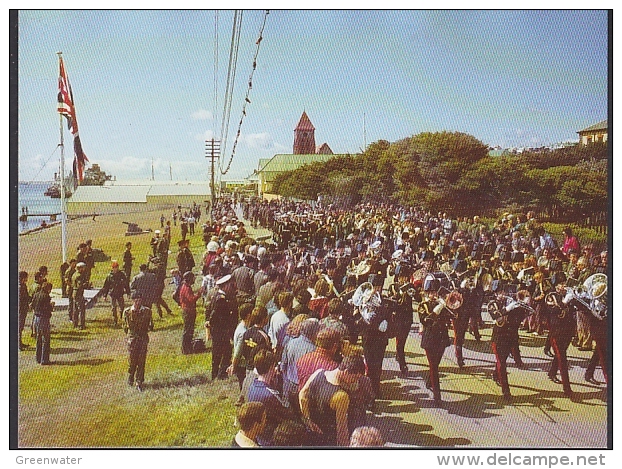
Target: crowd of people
[{"x": 303, "y": 322}]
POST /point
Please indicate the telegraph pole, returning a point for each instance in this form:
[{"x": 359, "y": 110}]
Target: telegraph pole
[{"x": 212, "y": 150}]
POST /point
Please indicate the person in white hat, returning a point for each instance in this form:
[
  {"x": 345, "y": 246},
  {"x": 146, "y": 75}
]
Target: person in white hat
[
  {"x": 155, "y": 242},
  {"x": 221, "y": 319}
]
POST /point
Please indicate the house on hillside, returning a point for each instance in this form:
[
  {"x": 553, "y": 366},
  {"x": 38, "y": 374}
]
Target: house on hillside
[
  {"x": 594, "y": 133},
  {"x": 304, "y": 152}
]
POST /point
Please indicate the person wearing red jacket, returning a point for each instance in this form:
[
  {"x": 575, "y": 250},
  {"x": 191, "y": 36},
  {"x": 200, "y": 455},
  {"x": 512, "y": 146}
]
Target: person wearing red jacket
[{"x": 188, "y": 301}]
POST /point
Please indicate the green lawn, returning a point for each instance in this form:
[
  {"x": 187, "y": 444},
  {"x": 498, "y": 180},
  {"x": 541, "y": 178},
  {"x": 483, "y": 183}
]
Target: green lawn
[{"x": 83, "y": 400}]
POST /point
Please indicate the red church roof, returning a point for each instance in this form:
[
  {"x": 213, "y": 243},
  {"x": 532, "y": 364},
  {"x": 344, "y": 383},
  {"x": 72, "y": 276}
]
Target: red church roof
[{"x": 304, "y": 124}]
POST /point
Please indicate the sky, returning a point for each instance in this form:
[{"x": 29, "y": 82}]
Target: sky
[{"x": 145, "y": 90}]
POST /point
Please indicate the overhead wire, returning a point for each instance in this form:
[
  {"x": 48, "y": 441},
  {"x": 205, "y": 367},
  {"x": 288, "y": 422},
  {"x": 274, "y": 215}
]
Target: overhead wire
[
  {"x": 230, "y": 85},
  {"x": 44, "y": 165},
  {"x": 248, "y": 90}
]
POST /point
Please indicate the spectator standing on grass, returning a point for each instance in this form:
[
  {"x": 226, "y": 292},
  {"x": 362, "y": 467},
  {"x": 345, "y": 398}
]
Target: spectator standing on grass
[
  {"x": 128, "y": 259},
  {"x": 239, "y": 370},
  {"x": 221, "y": 321},
  {"x": 116, "y": 285},
  {"x": 324, "y": 401},
  {"x": 188, "y": 301},
  {"x": 42, "y": 307},
  {"x": 24, "y": 304},
  {"x": 80, "y": 283},
  {"x": 294, "y": 349},
  {"x": 146, "y": 284},
  {"x": 136, "y": 324}
]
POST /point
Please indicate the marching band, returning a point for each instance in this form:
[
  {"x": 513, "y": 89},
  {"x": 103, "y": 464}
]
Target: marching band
[{"x": 447, "y": 277}]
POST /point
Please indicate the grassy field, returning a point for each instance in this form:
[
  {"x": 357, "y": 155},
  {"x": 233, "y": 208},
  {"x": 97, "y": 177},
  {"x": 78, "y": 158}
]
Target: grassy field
[{"x": 82, "y": 399}]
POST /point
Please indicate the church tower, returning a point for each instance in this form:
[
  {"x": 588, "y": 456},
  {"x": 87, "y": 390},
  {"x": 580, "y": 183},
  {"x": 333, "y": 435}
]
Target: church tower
[{"x": 304, "y": 136}]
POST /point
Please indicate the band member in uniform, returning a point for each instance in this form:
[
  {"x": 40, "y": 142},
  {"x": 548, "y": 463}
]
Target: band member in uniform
[
  {"x": 470, "y": 301},
  {"x": 561, "y": 330},
  {"x": 508, "y": 316},
  {"x": 374, "y": 333},
  {"x": 435, "y": 339},
  {"x": 400, "y": 292},
  {"x": 598, "y": 329}
]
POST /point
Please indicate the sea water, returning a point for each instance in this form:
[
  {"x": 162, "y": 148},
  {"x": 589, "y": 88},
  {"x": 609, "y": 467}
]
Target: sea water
[{"x": 31, "y": 200}]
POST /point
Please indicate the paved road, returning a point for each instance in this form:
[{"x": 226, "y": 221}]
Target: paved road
[{"x": 473, "y": 413}]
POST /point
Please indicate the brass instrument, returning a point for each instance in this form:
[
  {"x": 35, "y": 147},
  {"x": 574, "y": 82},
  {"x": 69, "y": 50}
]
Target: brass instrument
[
  {"x": 551, "y": 300},
  {"x": 500, "y": 315},
  {"x": 590, "y": 295},
  {"x": 451, "y": 302},
  {"x": 360, "y": 269},
  {"x": 523, "y": 297}
]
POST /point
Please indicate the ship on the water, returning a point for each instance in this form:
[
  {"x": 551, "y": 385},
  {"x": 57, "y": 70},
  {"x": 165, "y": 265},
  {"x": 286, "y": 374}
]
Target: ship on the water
[
  {"x": 53, "y": 189},
  {"x": 93, "y": 176}
]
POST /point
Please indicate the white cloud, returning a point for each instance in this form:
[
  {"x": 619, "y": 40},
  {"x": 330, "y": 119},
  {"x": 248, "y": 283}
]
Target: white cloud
[
  {"x": 207, "y": 135},
  {"x": 261, "y": 140},
  {"x": 202, "y": 115},
  {"x": 130, "y": 167}
]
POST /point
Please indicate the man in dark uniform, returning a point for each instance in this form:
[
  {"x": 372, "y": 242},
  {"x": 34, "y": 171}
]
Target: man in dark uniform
[
  {"x": 505, "y": 339},
  {"x": 137, "y": 321},
  {"x": 127, "y": 260},
  {"x": 222, "y": 321},
  {"x": 89, "y": 260},
  {"x": 403, "y": 314},
  {"x": 598, "y": 329},
  {"x": 116, "y": 285},
  {"x": 80, "y": 283},
  {"x": 375, "y": 339},
  {"x": 42, "y": 307},
  {"x": 562, "y": 326},
  {"x": 435, "y": 319},
  {"x": 185, "y": 259}
]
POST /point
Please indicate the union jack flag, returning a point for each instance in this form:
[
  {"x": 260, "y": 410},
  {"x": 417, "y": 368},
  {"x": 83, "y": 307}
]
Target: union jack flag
[{"x": 67, "y": 108}]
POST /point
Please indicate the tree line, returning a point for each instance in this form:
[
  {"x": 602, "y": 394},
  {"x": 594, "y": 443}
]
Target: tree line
[{"x": 453, "y": 171}]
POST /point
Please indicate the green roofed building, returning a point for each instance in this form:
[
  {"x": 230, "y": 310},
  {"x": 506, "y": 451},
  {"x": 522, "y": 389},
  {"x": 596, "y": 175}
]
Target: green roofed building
[
  {"x": 282, "y": 163},
  {"x": 305, "y": 152}
]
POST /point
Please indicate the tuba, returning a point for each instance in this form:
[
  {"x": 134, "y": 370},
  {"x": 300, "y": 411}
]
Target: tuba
[
  {"x": 596, "y": 286},
  {"x": 363, "y": 295}
]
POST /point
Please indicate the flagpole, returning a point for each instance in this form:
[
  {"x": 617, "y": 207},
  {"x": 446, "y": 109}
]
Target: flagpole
[{"x": 63, "y": 213}]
